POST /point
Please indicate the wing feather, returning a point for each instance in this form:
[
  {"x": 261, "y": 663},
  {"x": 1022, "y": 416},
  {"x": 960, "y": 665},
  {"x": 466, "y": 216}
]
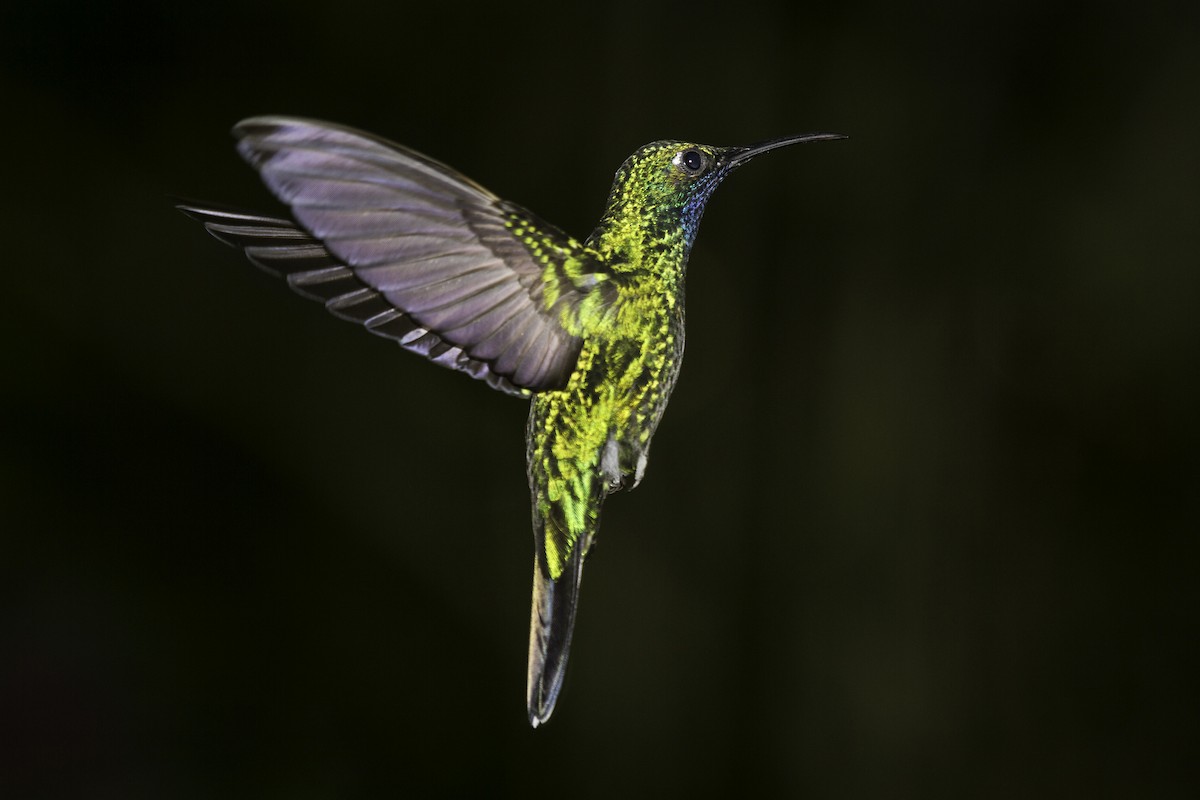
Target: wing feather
[
  {"x": 413, "y": 250},
  {"x": 281, "y": 248}
]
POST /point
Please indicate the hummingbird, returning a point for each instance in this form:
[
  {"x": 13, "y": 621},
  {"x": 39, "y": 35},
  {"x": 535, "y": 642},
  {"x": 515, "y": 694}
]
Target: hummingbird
[{"x": 591, "y": 332}]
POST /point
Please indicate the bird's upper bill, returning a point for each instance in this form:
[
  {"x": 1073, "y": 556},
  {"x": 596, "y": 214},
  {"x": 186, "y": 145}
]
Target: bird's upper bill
[{"x": 743, "y": 154}]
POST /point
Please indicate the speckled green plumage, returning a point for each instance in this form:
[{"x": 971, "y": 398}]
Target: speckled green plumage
[
  {"x": 592, "y": 332},
  {"x": 592, "y": 437},
  {"x": 632, "y": 347}
]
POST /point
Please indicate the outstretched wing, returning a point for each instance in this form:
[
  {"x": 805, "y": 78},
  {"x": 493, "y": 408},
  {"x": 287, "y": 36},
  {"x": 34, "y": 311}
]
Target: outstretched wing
[
  {"x": 414, "y": 251},
  {"x": 283, "y": 249}
]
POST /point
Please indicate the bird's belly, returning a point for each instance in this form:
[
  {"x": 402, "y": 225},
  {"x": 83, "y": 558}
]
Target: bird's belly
[{"x": 604, "y": 419}]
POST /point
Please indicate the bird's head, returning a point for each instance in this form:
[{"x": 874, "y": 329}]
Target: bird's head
[{"x": 666, "y": 184}]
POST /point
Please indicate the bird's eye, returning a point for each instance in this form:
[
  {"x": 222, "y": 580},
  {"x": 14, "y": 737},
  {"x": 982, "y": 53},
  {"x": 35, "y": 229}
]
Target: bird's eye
[{"x": 691, "y": 161}]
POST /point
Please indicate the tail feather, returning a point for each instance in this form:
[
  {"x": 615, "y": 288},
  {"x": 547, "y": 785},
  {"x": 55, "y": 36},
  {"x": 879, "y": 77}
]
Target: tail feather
[{"x": 551, "y": 623}]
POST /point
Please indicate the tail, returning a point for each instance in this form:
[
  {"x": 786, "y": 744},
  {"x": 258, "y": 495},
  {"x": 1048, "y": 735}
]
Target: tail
[
  {"x": 563, "y": 528},
  {"x": 551, "y": 623}
]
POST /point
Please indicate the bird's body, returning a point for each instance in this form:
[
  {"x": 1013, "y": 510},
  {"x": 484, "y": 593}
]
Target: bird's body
[
  {"x": 592, "y": 437},
  {"x": 593, "y": 332}
]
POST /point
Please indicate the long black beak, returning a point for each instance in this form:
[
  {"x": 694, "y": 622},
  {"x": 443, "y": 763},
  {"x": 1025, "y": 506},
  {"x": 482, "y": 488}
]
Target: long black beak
[{"x": 743, "y": 154}]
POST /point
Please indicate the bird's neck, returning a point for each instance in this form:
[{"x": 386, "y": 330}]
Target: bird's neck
[{"x": 643, "y": 243}]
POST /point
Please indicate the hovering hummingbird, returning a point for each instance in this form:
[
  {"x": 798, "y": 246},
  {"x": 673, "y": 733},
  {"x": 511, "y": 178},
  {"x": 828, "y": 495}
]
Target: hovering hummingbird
[{"x": 591, "y": 331}]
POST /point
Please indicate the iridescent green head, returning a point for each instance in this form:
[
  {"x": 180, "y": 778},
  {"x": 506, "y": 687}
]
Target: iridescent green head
[{"x": 668, "y": 183}]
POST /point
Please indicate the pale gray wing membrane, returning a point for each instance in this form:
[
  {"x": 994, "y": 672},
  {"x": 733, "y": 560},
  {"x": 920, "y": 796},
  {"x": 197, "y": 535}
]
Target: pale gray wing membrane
[
  {"x": 281, "y": 248},
  {"x": 433, "y": 244}
]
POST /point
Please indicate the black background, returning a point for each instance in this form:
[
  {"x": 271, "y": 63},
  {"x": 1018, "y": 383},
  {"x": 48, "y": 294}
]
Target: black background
[{"x": 920, "y": 521}]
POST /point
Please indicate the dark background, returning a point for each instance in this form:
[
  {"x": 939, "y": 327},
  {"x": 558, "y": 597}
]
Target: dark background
[{"x": 920, "y": 521}]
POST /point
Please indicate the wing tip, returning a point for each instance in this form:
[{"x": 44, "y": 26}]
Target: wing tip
[{"x": 266, "y": 123}]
